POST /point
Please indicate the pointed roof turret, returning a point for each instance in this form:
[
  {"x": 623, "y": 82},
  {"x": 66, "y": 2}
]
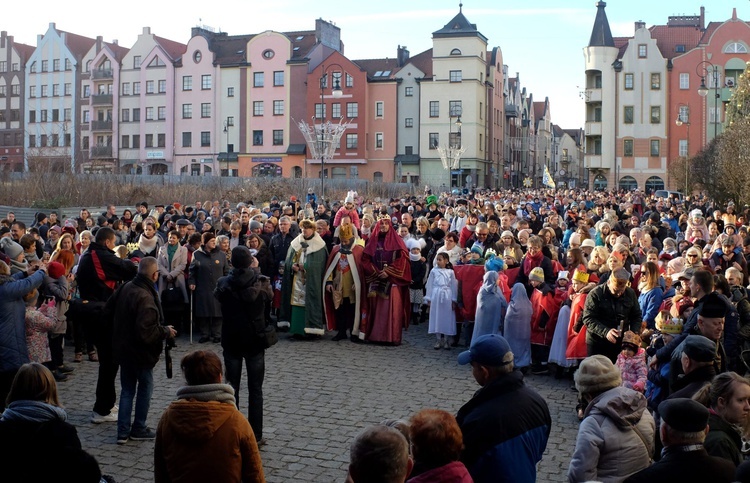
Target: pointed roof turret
[
  {"x": 601, "y": 35},
  {"x": 459, "y": 26}
]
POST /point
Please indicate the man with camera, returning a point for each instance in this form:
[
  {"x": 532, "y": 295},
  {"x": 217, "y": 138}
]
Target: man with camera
[
  {"x": 137, "y": 343},
  {"x": 611, "y": 310}
]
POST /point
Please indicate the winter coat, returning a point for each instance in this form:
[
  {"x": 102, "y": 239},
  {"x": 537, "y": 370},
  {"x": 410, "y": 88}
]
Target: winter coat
[
  {"x": 687, "y": 385},
  {"x": 454, "y": 472},
  {"x": 205, "y": 271},
  {"x": 243, "y": 297},
  {"x": 279, "y": 247},
  {"x": 176, "y": 269},
  {"x": 680, "y": 465},
  {"x": 38, "y": 324},
  {"x": 740, "y": 301},
  {"x": 649, "y": 302},
  {"x": 138, "y": 329},
  {"x": 603, "y": 311},
  {"x": 36, "y": 443},
  {"x": 608, "y": 449},
  {"x": 99, "y": 271},
  {"x": 723, "y": 440},
  {"x": 13, "y": 350},
  {"x": 633, "y": 370},
  {"x": 343, "y": 212},
  {"x": 205, "y": 441},
  {"x": 505, "y": 428}
]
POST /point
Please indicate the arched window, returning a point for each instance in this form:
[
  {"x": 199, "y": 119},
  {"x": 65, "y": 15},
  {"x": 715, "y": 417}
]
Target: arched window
[
  {"x": 296, "y": 172},
  {"x": 735, "y": 48},
  {"x": 456, "y": 52},
  {"x": 600, "y": 182},
  {"x": 654, "y": 183},
  {"x": 377, "y": 177},
  {"x": 628, "y": 183}
]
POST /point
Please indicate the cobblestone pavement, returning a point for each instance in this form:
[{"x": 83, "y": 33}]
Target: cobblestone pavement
[{"x": 318, "y": 396}]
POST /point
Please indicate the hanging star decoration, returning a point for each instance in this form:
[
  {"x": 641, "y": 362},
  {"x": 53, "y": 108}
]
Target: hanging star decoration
[{"x": 527, "y": 182}]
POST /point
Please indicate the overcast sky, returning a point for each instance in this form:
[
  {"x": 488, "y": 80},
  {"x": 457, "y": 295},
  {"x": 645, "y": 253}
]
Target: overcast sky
[{"x": 542, "y": 40}]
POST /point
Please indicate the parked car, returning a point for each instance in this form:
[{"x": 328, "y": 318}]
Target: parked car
[{"x": 669, "y": 194}]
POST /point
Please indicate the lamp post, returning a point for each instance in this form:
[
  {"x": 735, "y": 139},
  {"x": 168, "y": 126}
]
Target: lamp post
[
  {"x": 227, "y": 125},
  {"x": 702, "y": 69},
  {"x": 683, "y": 117},
  {"x": 336, "y": 92}
]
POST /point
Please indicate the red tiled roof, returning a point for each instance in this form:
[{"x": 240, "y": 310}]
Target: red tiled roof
[
  {"x": 119, "y": 51},
  {"x": 621, "y": 43},
  {"x": 24, "y": 50},
  {"x": 539, "y": 109},
  {"x": 372, "y": 66},
  {"x": 423, "y": 62},
  {"x": 710, "y": 29},
  {"x": 669, "y": 37},
  {"x": 77, "y": 44},
  {"x": 173, "y": 49},
  {"x": 230, "y": 49}
]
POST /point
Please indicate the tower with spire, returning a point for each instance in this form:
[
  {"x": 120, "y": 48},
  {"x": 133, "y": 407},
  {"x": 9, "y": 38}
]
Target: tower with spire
[{"x": 602, "y": 67}]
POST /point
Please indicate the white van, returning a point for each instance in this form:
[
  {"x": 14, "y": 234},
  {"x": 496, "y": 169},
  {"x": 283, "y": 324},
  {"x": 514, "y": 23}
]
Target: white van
[{"x": 668, "y": 194}]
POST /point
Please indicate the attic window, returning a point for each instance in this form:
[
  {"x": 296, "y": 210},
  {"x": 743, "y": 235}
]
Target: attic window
[
  {"x": 378, "y": 73},
  {"x": 735, "y": 48},
  {"x": 679, "y": 48},
  {"x": 456, "y": 52},
  {"x": 197, "y": 56},
  {"x": 386, "y": 73},
  {"x": 299, "y": 38},
  {"x": 268, "y": 54},
  {"x": 296, "y": 49}
]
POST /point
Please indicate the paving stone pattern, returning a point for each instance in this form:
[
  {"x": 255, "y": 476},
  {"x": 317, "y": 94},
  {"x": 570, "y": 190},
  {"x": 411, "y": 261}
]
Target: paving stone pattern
[{"x": 318, "y": 396}]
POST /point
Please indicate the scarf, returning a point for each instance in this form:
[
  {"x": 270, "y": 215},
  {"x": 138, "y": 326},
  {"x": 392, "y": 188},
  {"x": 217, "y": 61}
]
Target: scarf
[
  {"x": 34, "y": 412},
  {"x": 223, "y": 393},
  {"x": 531, "y": 262},
  {"x": 171, "y": 250},
  {"x": 147, "y": 245}
]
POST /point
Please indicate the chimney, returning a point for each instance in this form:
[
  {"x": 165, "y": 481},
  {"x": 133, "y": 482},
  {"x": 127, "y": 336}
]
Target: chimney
[
  {"x": 328, "y": 34},
  {"x": 640, "y": 25},
  {"x": 115, "y": 41},
  {"x": 3, "y": 37},
  {"x": 146, "y": 30},
  {"x": 734, "y": 14},
  {"x": 402, "y": 56},
  {"x": 703, "y": 18}
]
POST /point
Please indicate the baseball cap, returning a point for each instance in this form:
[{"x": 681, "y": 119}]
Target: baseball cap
[{"x": 488, "y": 350}]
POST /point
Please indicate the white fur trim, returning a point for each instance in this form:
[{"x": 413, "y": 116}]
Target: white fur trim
[
  {"x": 283, "y": 324},
  {"x": 314, "y": 331}
]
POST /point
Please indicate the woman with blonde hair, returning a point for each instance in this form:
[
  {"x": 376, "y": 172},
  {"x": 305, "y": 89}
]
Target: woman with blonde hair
[
  {"x": 651, "y": 294},
  {"x": 597, "y": 264}
]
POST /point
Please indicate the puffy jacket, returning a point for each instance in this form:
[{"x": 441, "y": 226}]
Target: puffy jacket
[
  {"x": 603, "y": 311},
  {"x": 608, "y": 449},
  {"x": 505, "y": 428},
  {"x": 138, "y": 329},
  {"x": 13, "y": 350},
  {"x": 242, "y": 297}
]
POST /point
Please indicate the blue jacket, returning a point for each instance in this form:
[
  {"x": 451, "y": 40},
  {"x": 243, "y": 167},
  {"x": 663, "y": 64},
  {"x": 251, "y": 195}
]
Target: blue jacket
[
  {"x": 650, "y": 302},
  {"x": 13, "y": 350},
  {"x": 505, "y": 428}
]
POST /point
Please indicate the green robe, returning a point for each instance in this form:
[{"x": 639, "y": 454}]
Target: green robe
[{"x": 315, "y": 257}]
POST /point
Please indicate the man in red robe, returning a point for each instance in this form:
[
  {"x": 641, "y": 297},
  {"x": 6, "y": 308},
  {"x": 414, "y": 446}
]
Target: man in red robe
[
  {"x": 344, "y": 298},
  {"x": 387, "y": 273}
]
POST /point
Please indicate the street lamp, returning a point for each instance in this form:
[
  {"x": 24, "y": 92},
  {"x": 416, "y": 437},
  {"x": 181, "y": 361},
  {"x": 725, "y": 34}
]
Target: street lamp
[
  {"x": 702, "y": 69},
  {"x": 450, "y": 155},
  {"x": 322, "y": 139},
  {"x": 336, "y": 92},
  {"x": 683, "y": 117},
  {"x": 227, "y": 125}
]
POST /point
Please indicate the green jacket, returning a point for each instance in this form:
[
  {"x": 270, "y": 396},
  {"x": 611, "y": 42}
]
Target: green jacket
[{"x": 316, "y": 256}]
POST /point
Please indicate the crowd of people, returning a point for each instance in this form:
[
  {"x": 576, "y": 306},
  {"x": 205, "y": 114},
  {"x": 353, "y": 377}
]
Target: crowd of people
[{"x": 641, "y": 300}]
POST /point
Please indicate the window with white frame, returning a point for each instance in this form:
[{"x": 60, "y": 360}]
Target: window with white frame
[
  {"x": 257, "y": 108},
  {"x": 278, "y": 108},
  {"x": 456, "y": 76},
  {"x": 352, "y": 141},
  {"x": 136, "y": 88},
  {"x": 125, "y": 115},
  {"x": 205, "y": 109},
  {"x": 125, "y": 88},
  {"x": 684, "y": 114},
  {"x": 55, "y": 90},
  {"x": 162, "y": 86},
  {"x": 320, "y": 111},
  {"x": 136, "y": 62},
  {"x": 735, "y": 48},
  {"x": 161, "y": 113},
  {"x": 434, "y": 139},
  {"x": 187, "y": 111},
  {"x": 434, "y": 108},
  {"x": 714, "y": 115},
  {"x": 352, "y": 110},
  {"x": 44, "y": 90},
  {"x": 67, "y": 114},
  {"x": 378, "y": 140},
  {"x": 655, "y": 148},
  {"x": 278, "y": 137},
  {"x": 349, "y": 81},
  {"x": 629, "y": 81},
  {"x": 187, "y": 83},
  {"x": 336, "y": 110},
  {"x": 149, "y": 113},
  {"x": 149, "y": 87},
  {"x": 379, "y": 106},
  {"x": 258, "y": 80},
  {"x": 278, "y": 78},
  {"x": 683, "y": 148},
  {"x": 684, "y": 80}
]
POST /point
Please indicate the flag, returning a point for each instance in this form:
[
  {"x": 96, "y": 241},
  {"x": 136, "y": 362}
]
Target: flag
[{"x": 547, "y": 178}]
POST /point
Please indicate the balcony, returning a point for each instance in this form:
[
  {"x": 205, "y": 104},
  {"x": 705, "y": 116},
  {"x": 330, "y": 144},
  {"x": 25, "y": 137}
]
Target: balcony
[
  {"x": 101, "y": 125},
  {"x": 511, "y": 111},
  {"x": 593, "y": 128},
  {"x": 593, "y": 161},
  {"x": 84, "y": 126},
  {"x": 565, "y": 159},
  {"x": 101, "y": 74},
  {"x": 101, "y": 152},
  {"x": 593, "y": 95},
  {"x": 101, "y": 100}
]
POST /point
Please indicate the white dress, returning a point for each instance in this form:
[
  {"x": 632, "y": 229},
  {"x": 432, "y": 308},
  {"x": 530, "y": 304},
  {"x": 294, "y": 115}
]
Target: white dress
[{"x": 442, "y": 291}]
